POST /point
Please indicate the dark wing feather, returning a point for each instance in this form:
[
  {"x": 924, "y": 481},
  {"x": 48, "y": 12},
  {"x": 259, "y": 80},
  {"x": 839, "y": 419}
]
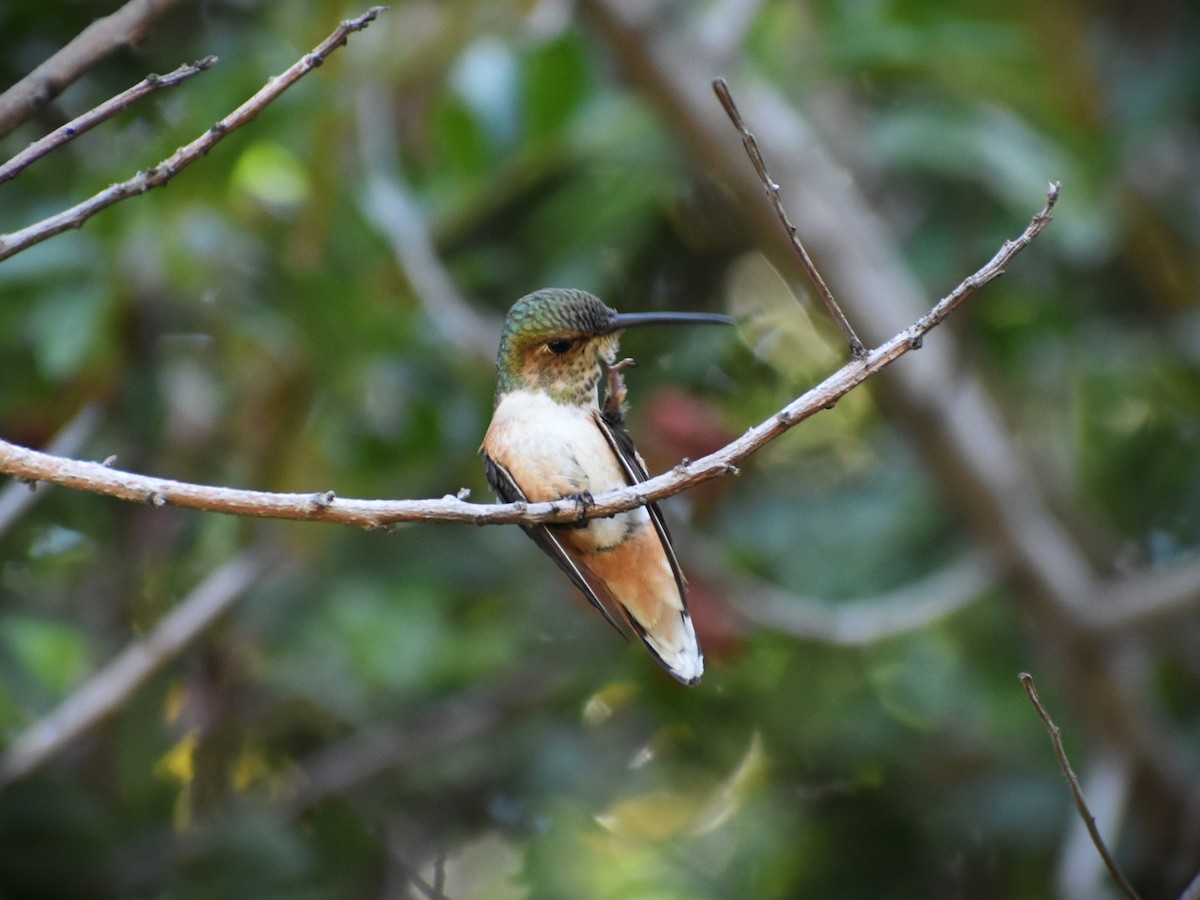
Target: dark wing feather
[
  {"x": 621, "y": 442},
  {"x": 507, "y": 489}
]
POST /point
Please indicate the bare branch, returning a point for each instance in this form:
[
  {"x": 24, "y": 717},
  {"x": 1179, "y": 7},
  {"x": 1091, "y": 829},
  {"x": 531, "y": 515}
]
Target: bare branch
[
  {"x": 724, "y": 25},
  {"x": 1076, "y": 791},
  {"x": 110, "y": 688},
  {"x": 327, "y": 507},
  {"x": 104, "y": 36},
  {"x": 96, "y": 115},
  {"x": 1107, "y": 781},
  {"x": 161, "y": 174},
  {"x": 857, "y": 351},
  {"x": 861, "y": 622},
  {"x": 17, "y": 498},
  {"x": 1146, "y": 596},
  {"x": 389, "y": 207}
]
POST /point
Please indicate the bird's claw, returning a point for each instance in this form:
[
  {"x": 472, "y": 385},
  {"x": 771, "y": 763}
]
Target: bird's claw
[{"x": 583, "y": 502}]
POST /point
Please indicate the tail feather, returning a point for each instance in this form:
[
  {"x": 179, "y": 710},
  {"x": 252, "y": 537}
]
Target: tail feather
[{"x": 674, "y": 643}]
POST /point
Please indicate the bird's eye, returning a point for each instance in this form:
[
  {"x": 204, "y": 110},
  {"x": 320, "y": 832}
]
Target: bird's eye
[{"x": 559, "y": 346}]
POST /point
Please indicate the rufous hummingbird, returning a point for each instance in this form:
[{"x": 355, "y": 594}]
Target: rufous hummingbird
[{"x": 551, "y": 439}]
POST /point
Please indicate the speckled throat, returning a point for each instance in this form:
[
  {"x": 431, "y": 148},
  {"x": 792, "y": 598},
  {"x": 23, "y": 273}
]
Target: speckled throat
[{"x": 555, "y": 340}]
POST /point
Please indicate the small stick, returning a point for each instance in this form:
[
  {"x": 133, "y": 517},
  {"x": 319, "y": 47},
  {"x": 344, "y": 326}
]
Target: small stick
[
  {"x": 857, "y": 351},
  {"x": 1076, "y": 791},
  {"x": 98, "y": 114}
]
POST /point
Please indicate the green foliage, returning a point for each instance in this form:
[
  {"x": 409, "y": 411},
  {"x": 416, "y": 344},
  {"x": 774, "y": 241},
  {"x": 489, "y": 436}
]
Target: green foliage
[{"x": 248, "y": 326}]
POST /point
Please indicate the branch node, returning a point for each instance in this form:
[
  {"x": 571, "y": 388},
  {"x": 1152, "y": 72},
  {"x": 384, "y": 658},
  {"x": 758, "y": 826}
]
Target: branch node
[
  {"x": 322, "y": 499},
  {"x": 464, "y": 493},
  {"x": 730, "y": 469},
  {"x": 155, "y": 498},
  {"x": 30, "y": 483},
  {"x": 109, "y": 461}
]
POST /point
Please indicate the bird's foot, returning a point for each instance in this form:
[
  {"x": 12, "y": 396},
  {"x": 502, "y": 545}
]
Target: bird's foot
[{"x": 583, "y": 502}]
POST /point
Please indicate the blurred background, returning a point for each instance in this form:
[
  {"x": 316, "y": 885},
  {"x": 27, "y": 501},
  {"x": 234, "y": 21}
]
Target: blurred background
[{"x": 434, "y": 712}]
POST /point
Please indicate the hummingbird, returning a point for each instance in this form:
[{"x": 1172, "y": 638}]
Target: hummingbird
[{"x": 551, "y": 439}]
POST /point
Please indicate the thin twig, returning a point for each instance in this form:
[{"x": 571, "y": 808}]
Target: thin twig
[
  {"x": 1076, "y": 791},
  {"x": 109, "y": 689},
  {"x": 405, "y": 873},
  {"x": 439, "y": 873},
  {"x": 429, "y": 891},
  {"x": 857, "y": 351},
  {"x": 325, "y": 506},
  {"x": 161, "y": 174},
  {"x": 93, "y": 117},
  {"x": 123, "y": 28}
]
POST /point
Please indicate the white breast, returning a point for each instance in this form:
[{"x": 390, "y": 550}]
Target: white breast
[{"x": 554, "y": 451}]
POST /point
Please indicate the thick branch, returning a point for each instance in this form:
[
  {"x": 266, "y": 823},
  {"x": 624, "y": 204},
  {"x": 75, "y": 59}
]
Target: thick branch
[
  {"x": 98, "y": 114},
  {"x": 1143, "y": 597},
  {"x": 104, "y": 36},
  {"x": 861, "y": 622},
  {"x": 159, "y": 175},
  {"x": 108, "y": 690},
  {"x": 389, "y": 207},
  {"x": 326, "y": 507}
]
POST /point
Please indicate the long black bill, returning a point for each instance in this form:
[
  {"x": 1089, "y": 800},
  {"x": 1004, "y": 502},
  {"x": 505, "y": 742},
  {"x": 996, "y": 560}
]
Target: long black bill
[{"x": 621, "y": 321}]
